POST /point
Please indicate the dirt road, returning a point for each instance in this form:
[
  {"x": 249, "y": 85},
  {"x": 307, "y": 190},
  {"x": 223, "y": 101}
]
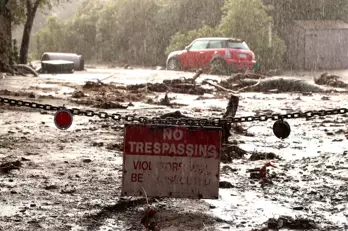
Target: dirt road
[{"x": 70, "y": 180}]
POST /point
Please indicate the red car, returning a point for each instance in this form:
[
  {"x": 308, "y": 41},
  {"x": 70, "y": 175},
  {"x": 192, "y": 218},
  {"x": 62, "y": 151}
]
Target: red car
[{"x": 221, "y": 55}]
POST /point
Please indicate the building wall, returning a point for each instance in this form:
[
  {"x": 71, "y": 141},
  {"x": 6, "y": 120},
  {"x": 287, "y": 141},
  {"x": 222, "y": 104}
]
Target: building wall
[
  {"x": 326, "y": 49},
  {"x": 318, "y": 49}
]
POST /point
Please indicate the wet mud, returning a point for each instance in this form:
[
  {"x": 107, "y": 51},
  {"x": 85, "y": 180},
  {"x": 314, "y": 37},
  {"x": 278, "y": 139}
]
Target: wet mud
[{"x": 71, "y": 180}]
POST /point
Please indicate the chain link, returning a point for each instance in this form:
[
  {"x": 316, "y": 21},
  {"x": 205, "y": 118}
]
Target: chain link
[{"x": 177, "y": 121}]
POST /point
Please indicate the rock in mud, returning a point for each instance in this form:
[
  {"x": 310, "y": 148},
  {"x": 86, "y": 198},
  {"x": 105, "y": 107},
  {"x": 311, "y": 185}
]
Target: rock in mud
[
  {"x": 6, "y": 167},
  {"x": 263, "y": 156},
  {"x": 78, "y": 94},
  {"x": 97, "y": 144},
  {"x": 51, "y": 187},
  {"x": 225, "y": 184},
  {"x": 87, "y": 161},
  {"x": 24, "y": 159},
  {"x": 226, "y": 169}
]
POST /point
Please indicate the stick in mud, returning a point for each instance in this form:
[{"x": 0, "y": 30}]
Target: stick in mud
[{"x": 217, "y": 86}]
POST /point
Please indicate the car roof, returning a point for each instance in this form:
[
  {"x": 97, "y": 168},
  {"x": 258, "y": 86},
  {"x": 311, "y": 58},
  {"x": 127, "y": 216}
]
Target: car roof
[{"x": 219, "y": 38}]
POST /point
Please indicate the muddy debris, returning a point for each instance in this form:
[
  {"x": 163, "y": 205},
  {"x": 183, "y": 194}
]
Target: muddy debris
[
  {"x": 287, "y": 222},
  {"x": 97, "y": 144},
  {"x": 231, "y": 152},
  {"x": 117, "y": 146},
  {"x": 6, "y": 167},
  {"x": 278, "y": 85},
  {"x": 175, "y": 115},
  {"x": 51, "y": 187},
  {"x": 263, "y": 156},
  {"x": 78, "y": 94},
  {"x": 122, "y": 205},
  {"x": 105, "y": 96},
  {"x": 225, "y": 184},
  {"x": 110, "y": 105},
  {"x": 330, "y": 80},
  {"x": 68, "y": 189},
  {"x": 181, "y": 86},
  {"x": 94, "y": 86},
  {"x": 227, "y": 169},
  {"x": 102, "y": 104},
  {"x": 151, "y": 87},
  {"x": 18, "y": 94},
  {"x": 165, "y": 101}
]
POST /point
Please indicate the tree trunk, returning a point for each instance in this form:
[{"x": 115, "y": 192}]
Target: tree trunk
[
  {"x": 6, "y": 64},
  {"x": 23, "y": 57},
  {"x": 31, "y": 11}
]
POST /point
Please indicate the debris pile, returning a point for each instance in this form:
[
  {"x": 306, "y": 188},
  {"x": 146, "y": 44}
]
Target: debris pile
[
  {"x": 149, "y": 220},
  {"x": 286, "y": 222},
  {"x": 105, "y": 96},
  {"x": 6, "y": 167},
  {"x": 330, "y": 80},
  {"x": 181, "y": 85},
  {"x": 263, "y": 156},
  {"x": 231, "y": 152},
  {"x": 19, "y": 93}
]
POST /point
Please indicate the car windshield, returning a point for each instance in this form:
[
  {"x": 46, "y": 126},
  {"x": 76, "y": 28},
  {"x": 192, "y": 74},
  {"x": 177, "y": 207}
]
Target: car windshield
[{"x": 237, "y": 45}]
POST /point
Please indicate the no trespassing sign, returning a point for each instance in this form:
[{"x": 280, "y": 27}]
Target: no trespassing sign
[{"x": 171, "y": 161}]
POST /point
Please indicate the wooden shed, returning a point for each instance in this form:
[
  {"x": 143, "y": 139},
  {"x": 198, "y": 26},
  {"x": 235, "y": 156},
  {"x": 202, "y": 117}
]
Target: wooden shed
[{"x": 318, "y": 45}]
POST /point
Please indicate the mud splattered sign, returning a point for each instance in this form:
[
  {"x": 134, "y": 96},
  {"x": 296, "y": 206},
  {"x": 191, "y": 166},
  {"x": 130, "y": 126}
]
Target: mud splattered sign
[{"x": 171, "y": 161}]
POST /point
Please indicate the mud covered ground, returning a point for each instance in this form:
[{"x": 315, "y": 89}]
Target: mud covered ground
[{"x": 70, "y": 180}]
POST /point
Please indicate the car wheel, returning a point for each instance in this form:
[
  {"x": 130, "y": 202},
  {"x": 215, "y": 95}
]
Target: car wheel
[
  {"x": 173, "y": 64},
  {"x": 218, "y": 66}
]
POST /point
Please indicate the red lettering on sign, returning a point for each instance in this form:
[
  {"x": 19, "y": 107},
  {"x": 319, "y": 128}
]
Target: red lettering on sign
[
  {"x": 170, "y": 133},
  {"x": 187, "y": 180},
  {"x": 172, "y": 141},
  {"x": 142, "y": 165},
  {"x": 137, "y": 177},
  {"x": 171, "y": 166}
]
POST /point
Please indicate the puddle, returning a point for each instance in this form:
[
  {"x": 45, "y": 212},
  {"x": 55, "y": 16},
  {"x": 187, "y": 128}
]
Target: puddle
[{"x": 8, "y": 210}]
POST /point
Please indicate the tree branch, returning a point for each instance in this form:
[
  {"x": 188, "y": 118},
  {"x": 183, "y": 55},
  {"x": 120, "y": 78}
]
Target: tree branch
[{"x": 36, "y": 5}]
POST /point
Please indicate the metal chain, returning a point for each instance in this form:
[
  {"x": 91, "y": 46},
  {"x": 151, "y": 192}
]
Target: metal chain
[{"x": 175, "y": 121}]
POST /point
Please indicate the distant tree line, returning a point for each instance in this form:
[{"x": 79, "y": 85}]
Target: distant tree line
[
  {"x": 143, "y": 32},
  {"x": 14, "y": 13}
]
